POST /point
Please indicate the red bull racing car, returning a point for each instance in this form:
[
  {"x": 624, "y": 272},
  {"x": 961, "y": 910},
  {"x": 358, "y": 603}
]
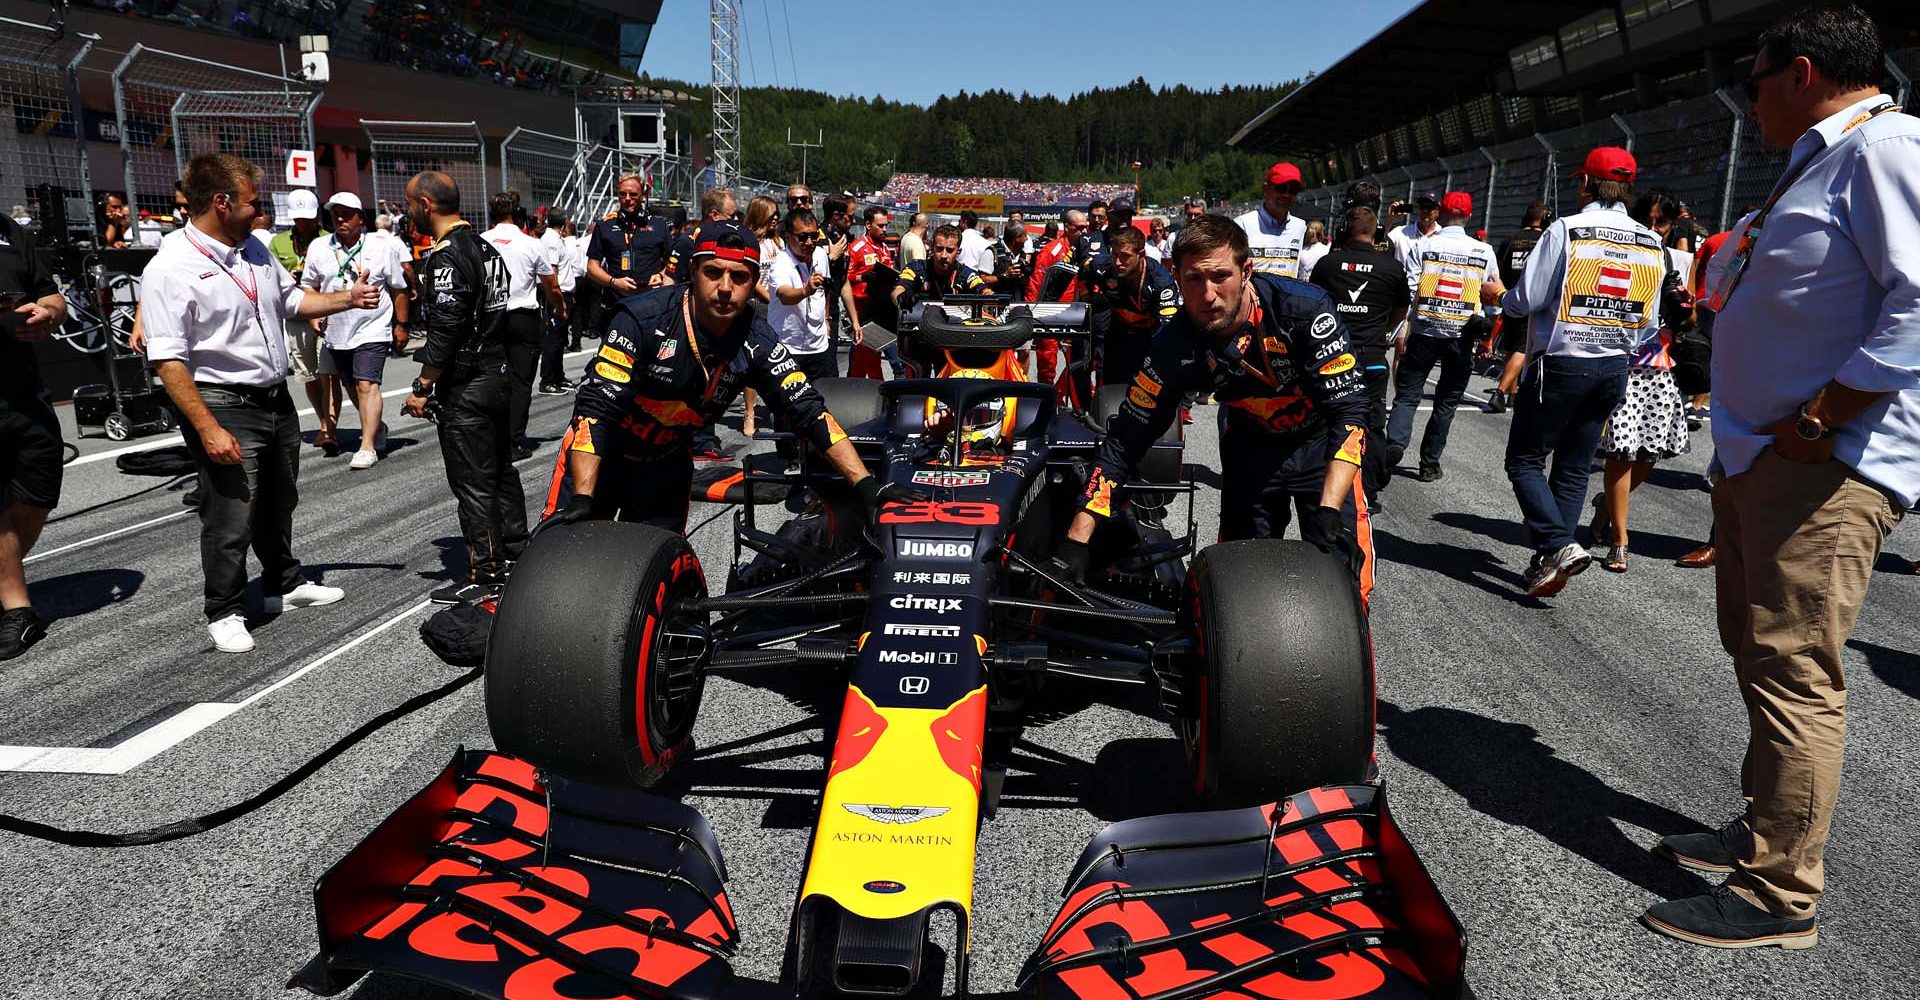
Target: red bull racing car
[{"x": 545, "y": 869}]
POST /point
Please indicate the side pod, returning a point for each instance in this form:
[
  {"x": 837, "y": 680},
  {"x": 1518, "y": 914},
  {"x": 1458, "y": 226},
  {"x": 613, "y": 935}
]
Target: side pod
[
  {"x": 1317, "y": 896},
  {"x": 502, "y": 881}
]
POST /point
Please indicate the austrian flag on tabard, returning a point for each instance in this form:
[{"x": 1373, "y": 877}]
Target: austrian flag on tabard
[
  {"x": 1449, "y": 287},
  {"x": 1616, "y": 280}
]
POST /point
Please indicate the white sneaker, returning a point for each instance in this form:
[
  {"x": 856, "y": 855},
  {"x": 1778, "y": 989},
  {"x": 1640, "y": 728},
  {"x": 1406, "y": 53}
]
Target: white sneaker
[
  {"x": 230, "y": 634},
  {"x": 363, "y": 459},
  {"x": 307, "y": 595}
]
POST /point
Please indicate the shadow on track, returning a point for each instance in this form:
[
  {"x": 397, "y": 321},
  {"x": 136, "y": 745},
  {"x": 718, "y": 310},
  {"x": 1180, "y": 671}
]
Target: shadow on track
[
  {"x": 76, "y": 594},
  {"x": 1505, "y": 772},
  {"x": 1900, "y": 669}
]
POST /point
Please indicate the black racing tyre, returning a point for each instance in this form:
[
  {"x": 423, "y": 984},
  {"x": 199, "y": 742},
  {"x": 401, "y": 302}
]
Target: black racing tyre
[
  {"x": 1284, "y": 700},
  {"x": 1161, "y": 465},
  {"x": 581, "y": 676},
  {"x": 852, "y": 401}
]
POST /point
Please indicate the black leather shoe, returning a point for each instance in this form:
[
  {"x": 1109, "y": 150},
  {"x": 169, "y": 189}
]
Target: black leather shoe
[
  {"x": 1721, "y": 919},
  {"x": 1711, "y": 851},
  {"x": 20, "y": 628},
  {"x": 1429, "y": 472}
]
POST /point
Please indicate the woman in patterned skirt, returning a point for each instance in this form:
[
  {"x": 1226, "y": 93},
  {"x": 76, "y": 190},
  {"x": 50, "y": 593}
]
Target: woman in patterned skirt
[{"x": 1650, "y": 424}]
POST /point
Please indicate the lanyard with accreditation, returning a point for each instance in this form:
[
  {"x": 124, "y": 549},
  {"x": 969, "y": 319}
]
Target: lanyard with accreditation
[{"x": 1751, "y": 235}]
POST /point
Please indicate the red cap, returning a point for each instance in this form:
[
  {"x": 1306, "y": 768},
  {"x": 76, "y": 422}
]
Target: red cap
[
  {"x": 1456, "y": 203},
  {"x": 1284, "y": 173},
  {"x": 1609, "y": 163}
]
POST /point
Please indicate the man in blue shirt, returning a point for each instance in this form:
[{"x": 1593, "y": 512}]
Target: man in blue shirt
[{"x": 1816, "y": 430}]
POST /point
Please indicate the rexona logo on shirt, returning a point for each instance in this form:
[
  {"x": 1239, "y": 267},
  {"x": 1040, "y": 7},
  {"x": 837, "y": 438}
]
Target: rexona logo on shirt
[
  {"x": 914, "y": 602},
  {"x": 915, "y": 548},
  {"x": 950, "y": 479}
]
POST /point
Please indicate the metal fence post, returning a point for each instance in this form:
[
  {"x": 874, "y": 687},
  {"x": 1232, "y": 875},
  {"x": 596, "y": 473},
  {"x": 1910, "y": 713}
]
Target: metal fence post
[
  {"x": 1733, "y": 156},
  {"x": 1493, "y": 175},
  {"x": 120, "y": 119},
  {"x": 1625, "y": 129},
  {"x": 1904, "y": 82},
  {"x": 1546, "y": 177}
]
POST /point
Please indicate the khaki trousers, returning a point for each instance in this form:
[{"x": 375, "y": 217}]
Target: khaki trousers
[{"x": 1797, "y": 544}]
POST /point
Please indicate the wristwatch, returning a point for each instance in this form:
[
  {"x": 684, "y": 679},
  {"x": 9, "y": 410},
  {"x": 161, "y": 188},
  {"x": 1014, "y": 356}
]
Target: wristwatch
[
  {"x": 422, "y": 387},
  {"x": 1810, "y": 427}
]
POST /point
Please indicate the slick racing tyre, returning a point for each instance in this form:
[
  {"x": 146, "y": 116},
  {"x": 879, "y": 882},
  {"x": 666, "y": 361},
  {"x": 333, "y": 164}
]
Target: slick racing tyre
[
  {"x": 1284, "y": 699},
  {"x": 1161, "y": 465},
  {"x": 595, "y": 670},
  {"x": 852, "y": 401}
]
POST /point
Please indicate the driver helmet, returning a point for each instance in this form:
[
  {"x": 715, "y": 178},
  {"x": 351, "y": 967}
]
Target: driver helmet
[{"x": 986, "y": 425}]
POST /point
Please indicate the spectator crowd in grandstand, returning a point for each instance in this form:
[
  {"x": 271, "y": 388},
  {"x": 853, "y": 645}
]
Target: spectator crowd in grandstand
[{"x": 905, "y": 188}]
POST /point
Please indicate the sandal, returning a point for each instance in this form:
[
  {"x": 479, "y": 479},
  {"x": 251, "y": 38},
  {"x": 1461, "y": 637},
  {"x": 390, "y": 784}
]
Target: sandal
[
  {"x": 327, "y": 445},
  {"x": 1602, "y": 524},
  {"x": 1615, "y": 560}
]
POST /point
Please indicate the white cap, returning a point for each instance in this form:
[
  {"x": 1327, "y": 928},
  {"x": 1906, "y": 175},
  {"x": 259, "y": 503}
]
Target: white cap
[
  {"x": 302, "y": 204},
  {"x": 345, "y": 199}
]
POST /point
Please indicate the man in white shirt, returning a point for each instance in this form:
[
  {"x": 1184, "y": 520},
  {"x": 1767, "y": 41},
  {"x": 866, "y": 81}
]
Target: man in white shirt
[
  {"x": 1452, "y": 274},
  {"x": 213, "y": 304},
  {"x": 1816, "y": 434},
  {"x": 1425, "y": 221},
  {"x": 555, "y": 237},
  {"x": 529, "y": 274},
  {"x": 1274, "y": 234},
  {"x": 360, "y": 340},
  {"x": 976, "y": 251},
  {"x": 797, "y": 309}
]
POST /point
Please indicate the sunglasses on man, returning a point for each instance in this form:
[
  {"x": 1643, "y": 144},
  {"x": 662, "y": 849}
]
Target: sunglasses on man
[{"x": 1751, "y": 85}]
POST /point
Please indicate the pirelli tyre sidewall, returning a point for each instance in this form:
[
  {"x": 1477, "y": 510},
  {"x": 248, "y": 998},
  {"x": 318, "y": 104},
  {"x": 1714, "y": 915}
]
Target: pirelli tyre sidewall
[
  {"x": 1161, "y": 465},
  {"x": 1283, "y": 697},
  {"x": 579, "y": 678}
]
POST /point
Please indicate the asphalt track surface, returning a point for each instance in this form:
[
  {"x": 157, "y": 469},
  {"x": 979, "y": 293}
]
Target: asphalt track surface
[{"x": 1534, "y": 750}]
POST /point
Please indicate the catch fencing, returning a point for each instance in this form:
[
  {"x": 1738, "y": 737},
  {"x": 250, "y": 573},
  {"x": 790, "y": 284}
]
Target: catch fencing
[
  {"x": 39, "y": 88},
  {"x": 170, "y": 108},
  {"x": 1704, "y": 151},
  {"x": 400, "y": 149}
]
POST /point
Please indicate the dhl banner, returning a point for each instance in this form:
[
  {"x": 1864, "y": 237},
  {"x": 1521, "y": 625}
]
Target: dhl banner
[{"x": 950, "y": 204}]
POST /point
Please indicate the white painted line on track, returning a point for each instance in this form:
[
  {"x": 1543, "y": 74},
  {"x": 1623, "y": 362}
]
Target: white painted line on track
[
  {"x": 174, "y": 438},
  {"x": 115, "y": 533},
  {"x": 162, "y": 736}
]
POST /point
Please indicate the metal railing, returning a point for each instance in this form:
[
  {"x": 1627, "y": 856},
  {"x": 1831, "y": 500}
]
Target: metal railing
[
  {"x": 170, "y": 108},
  {"x": 39, "y": 91},
  {"x": 400, "y": 149}
]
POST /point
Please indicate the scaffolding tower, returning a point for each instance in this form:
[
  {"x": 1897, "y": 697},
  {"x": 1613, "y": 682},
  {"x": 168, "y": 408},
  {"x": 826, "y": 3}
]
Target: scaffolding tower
[{"x": 726, "y": 91}]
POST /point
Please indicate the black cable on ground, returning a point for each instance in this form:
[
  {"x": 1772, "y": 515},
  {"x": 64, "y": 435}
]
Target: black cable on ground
[
  {"x": 175, "y": 481},
  {"x": 201, "y": 824}
]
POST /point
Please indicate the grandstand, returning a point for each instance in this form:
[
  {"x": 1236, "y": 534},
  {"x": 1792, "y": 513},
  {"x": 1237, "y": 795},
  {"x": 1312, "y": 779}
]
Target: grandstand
[
  {"x": 904, "y": 189},
  {"x": 1505, "y": 106}
]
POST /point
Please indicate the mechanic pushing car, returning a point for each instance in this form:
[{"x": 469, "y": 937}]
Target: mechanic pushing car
[
  {"x": 935, "y": 278},
  {"x": 672, "y": 362},
  {"x": 1275, "y": 354},
  {"x": 1131, "y": 296}
]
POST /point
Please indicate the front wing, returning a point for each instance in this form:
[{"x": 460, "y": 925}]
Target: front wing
[{"x": 505, "y": 882}]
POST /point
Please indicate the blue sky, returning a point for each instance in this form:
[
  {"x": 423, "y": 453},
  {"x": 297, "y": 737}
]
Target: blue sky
[{"x": 910, "y": 51}]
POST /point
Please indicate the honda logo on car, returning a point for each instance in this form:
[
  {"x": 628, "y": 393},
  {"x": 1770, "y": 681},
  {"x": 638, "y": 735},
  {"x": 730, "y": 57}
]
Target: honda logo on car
[
  {"x": 924, "y": 631},
  {"x": 950, "y": 479},
  {"x": 914, "y": 684},
  {"x": 936, "y": 550},
  {"x": 919, "y": 658},
  {"x": 914, "y": 602}
]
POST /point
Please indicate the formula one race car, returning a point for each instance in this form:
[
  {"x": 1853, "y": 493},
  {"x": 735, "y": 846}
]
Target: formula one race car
[{"x": 541, "y": 870}]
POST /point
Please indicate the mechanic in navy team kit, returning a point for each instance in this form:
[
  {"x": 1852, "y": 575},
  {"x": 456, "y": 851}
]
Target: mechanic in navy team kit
[
  {"x": 1276, "y": 355},
  {"x": 1369, "y": 290},
  {"x": 672, "y": 361},
  {"x": 628, "y": 248},
  {"x": 938, "y": 276},
  {"x": 1131, "y": 295}
]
